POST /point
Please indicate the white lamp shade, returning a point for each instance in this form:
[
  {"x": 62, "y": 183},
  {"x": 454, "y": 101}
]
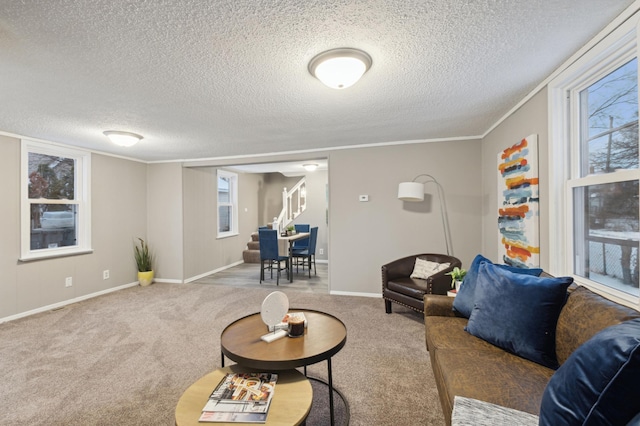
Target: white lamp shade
[
  {"x": 411, "y": 191},
  {"x": 340, "y": 68},
  {"x": 340, "y": 73},
  {"x": 123, "y": 138}
]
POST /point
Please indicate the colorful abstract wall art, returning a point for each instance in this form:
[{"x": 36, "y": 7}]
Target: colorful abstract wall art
[{"x": 518, "y": 204}]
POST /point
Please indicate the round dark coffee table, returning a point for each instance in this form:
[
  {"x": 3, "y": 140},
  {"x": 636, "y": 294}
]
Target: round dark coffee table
[{"x": 324, "y": 336}]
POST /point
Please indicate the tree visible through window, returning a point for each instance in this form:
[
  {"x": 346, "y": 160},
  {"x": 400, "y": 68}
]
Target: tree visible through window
[
  {"x": 605, "y": 209},
  {"x": 55, "y": 201}
]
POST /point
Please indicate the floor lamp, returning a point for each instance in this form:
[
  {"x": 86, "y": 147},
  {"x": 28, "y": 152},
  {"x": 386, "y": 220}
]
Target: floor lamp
[{"x": 414, "y": 191}]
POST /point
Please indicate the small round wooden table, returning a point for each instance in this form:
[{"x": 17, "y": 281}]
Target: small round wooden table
[
  {"x": 290, "y": 405},
  {"x": 324, "y": 336}
]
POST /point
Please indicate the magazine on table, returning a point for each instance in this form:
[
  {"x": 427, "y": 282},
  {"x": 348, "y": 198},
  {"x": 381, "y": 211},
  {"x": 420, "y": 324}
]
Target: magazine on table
[
  {"x": 284, "y": 324},
  {"x": 241, "y": 398}
]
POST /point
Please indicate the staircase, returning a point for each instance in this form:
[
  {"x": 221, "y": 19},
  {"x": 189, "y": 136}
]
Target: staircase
[
  {"x": 294, "y": 202},
  {"x": 252, "y": 252}
]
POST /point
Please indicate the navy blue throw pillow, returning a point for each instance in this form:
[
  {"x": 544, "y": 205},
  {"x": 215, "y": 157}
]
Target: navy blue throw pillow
[
  {"x": 463, "y": 303},
  {"x": 599, "y": 382},
  {"x": 518, "y": 312}
]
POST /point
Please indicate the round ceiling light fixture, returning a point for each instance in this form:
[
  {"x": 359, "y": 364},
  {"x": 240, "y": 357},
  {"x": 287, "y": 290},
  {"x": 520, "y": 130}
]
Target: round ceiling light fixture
[
  {"x": 123, "y": 138},
  {"x": 310, "y": 167},
  {"x": 340, "y": 68}
]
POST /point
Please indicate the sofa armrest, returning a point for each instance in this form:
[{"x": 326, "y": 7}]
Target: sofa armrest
[{"x": 438, "y": 305}]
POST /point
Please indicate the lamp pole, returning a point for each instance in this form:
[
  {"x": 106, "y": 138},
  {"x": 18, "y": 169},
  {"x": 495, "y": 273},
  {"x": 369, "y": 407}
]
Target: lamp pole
[{"x": 403, "y": 194}]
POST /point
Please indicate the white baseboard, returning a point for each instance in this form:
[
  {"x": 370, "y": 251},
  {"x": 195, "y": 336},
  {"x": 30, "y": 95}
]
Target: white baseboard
[
  {"x": 164, "y": 280},
  {"x": 197, "y": 277},
  {"x": 351, "y": 293},
  {"x": 66, "y": 302}
]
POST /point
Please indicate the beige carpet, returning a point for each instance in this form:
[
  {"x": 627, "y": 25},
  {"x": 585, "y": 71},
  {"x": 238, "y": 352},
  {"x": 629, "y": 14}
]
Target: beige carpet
[{"x": 125, "y": 358}]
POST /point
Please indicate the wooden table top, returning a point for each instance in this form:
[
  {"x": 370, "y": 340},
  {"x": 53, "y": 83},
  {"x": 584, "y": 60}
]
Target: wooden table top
[
  {"x": 294, "y": 237},
  {"x": 324, "y": 336},
  {"x": 290, "y": 405}
]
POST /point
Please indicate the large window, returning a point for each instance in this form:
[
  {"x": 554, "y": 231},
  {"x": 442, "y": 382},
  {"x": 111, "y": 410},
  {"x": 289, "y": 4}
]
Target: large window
[
  {"x": 55, "y": 201},
  {"x": 594, "y": 160},
  {"x": 227, "y": 203}
]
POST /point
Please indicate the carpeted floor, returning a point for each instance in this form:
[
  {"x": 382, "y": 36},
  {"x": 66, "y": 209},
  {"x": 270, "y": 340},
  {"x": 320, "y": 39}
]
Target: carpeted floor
[{"x": 125, "y": 358}]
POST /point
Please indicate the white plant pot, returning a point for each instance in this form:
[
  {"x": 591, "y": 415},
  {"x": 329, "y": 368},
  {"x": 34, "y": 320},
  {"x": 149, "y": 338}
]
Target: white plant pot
[{"x": 458, "y": 284}]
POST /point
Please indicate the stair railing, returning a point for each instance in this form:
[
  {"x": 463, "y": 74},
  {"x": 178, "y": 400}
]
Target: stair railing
[{"x": 294, "y": 202}]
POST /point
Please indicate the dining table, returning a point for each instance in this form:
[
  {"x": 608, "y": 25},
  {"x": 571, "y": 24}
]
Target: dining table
[{"x": 285, "y": 248}]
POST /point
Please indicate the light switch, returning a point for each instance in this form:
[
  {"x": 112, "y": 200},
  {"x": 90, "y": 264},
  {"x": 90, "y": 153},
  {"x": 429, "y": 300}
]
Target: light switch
[{"x": 364, "y": 198}]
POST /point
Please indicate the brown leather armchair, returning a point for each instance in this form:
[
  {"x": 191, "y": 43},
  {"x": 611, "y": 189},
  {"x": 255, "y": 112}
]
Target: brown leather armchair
[{"x": 399, "y": 287}]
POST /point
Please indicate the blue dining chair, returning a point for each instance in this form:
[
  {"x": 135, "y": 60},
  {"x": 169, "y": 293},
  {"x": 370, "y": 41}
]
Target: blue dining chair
[
  {"x": 300, "y": 245},
  {"x": 269, "y": 256},
  {"x": 309, "y": 255}
]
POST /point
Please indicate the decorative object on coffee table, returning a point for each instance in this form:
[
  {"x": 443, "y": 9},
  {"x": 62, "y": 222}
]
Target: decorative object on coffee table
[{"x": 274, "y": 307}]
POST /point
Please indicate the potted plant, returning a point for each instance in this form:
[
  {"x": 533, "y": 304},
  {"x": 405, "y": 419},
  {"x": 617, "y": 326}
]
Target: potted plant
[
  {"x": 457, "y": 275},
  {"x": 144, "y": 262},
  {"x": 291, "y": 230}
]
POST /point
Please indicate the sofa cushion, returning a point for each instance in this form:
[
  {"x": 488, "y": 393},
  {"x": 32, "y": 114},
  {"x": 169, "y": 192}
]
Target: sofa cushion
[
  {"x": 412, "y": 287},
  {"x": 463, "y": 303},
  {"x": 599, "y": 382},
  {"x": 585, "y": 314},
  {"x": 518, "y": 312},
  {"x": 449, "y": 333},
  {"x": 491, "y": 375}
]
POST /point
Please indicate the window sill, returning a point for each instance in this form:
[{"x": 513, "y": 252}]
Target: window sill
[
  {"x": 43, "y": 256},
  {"x": 227, "y": 235}
]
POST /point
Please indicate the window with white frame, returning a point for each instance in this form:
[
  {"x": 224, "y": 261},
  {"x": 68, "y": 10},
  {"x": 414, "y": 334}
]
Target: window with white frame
[
  {"x": 55, "y": 201},
  {"x": 227, "y": 203},
  {"x": 594, "y": 159}
]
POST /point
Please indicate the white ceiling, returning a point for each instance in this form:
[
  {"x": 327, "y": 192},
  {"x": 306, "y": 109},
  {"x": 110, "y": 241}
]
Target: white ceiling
[{"x": 206, "y": 79}]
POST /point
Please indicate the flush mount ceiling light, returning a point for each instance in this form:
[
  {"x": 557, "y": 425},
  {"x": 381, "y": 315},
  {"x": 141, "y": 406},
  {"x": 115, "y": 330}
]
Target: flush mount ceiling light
[
  {"x": 123, "y": 138},
  {"x": 340, "y": 68},
  {"x": 310, "y": 167}
]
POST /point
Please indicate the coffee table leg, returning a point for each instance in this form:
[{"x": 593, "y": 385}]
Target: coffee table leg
[{"x": 330, "y": 390}]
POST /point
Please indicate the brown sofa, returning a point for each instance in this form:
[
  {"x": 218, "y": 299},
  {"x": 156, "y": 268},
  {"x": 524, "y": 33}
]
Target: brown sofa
[
  {"x": 399, "y": 287},
  {"x": 467, "y": 366}
]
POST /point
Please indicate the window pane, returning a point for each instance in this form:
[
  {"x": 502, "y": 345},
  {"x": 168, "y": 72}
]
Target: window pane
[
  {"x": 224, "y": 218},
  {"x": 610, "y": 114},
  {"x": 224, "y": 193},
  {"x": 607, "y": 233},
  {"x": 53, "y": 225},
  {"x": 51, "y": 177}
]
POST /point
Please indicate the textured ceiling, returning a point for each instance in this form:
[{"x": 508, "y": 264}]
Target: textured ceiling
[{"x": 203, "y": 79}]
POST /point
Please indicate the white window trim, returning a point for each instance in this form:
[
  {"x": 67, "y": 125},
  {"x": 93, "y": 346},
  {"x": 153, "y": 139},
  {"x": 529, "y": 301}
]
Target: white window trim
[
  {"x": 233, "y": 180},
  {"x": 611, "y": 52},
  {"x": 82, "y": 194}
]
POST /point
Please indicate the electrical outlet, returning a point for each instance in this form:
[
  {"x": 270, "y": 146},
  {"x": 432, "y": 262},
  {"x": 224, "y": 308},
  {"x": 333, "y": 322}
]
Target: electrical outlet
[
  {"x": 105, "y": 274},
  {"x": 321, "y": 251},
  {"x": 68, "y": 282}
]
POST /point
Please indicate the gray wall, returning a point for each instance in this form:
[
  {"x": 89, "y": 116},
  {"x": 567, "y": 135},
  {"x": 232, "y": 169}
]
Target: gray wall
[
  {"x": 365, "y": 235},
  {"x": 119, "y": 214},
  {"x": 203, "y": 251},
  {"x": 165, "y": 220},
  {"x": 529, "y": 119}
]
